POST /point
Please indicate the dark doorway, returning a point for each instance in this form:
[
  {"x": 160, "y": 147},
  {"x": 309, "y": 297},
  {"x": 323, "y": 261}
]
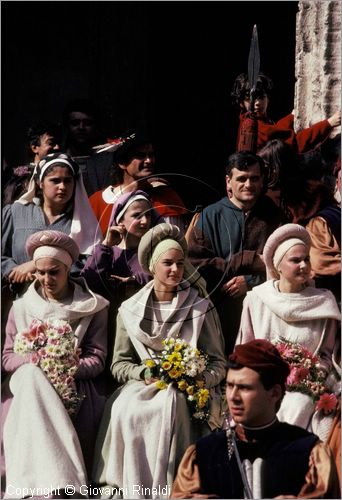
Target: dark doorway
[{"x": 169, "y": 63}]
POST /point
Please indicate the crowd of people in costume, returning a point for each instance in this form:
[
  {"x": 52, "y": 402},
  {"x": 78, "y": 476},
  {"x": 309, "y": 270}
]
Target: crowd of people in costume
[{"x": 149, "y": 352}]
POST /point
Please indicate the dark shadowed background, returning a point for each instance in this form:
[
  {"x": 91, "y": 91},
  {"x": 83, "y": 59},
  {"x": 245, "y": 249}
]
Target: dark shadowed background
[{"x": 171, "y": 64}]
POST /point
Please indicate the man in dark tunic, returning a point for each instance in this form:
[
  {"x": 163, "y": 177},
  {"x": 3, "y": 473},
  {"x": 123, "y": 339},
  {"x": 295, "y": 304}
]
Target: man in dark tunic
[{"x": 277, "y": 460}]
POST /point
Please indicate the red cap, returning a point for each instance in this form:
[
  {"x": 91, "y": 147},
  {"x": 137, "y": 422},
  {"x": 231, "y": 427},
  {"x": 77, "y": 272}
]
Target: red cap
[{"x": 261, "y": 356}]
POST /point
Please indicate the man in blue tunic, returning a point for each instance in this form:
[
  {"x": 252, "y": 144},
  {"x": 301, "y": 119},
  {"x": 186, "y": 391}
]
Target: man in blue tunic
[{"x": 229, "y": 234}]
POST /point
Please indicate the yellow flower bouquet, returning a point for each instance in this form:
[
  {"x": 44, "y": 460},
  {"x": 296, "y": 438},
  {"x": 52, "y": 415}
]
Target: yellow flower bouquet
[{"x": 181, "y": 364}]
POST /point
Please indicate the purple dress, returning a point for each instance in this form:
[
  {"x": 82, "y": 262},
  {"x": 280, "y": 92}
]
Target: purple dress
[
  {"x": 108, "y": 261},
  {"x": 98, "y": 271}
]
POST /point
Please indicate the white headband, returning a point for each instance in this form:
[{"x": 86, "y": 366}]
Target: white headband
[
  {"x": 283, "y": 248},
  {"x": 51, "y": 252},
  {"x": 129, "y": 202},
  {"x": 84, "y": 229},
  {"x": 51, "y": 162}
]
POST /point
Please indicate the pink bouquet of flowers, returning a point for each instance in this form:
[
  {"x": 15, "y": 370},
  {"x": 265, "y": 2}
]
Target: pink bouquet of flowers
[
  {"x": 52, "y": 347},
  {"x": 306, "y": 376}
]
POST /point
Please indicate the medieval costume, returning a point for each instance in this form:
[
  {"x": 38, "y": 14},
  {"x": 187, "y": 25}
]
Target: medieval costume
[
  {"x": 164, "y": 199},
  {"x": 295, "y": 463},
  {"x": 114, "y": 271},
  {"x": 55, "y": 449},
  {"x": 309, "y": 317},
  {"x": 223, "y": 230},
  {"x": 302, "y": 141},
  {"x": 256, "y": 456},
  {"x": 119, "y": 260},
  {"x": 146, "y": 430},
  {"x": 26, "y": 216}
]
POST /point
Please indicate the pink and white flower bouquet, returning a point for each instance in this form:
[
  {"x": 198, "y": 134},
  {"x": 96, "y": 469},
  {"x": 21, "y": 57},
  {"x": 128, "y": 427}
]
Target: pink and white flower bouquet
[
  {"x": 306, "y": 375},
  {"x": 52, "y": 347}
]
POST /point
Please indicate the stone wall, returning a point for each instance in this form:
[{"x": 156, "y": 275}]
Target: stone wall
[{"x": 318, "y": 62}]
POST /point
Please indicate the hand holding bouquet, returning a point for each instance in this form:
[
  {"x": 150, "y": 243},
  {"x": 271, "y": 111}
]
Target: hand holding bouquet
[
  {"x": 306, "y": 376},
  {"x": 183, "y": 365},
  {"x": 52, "y": 348}
]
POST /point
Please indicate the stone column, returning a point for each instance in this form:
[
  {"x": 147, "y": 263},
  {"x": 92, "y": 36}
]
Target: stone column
[{"x": 318, "y": 62}]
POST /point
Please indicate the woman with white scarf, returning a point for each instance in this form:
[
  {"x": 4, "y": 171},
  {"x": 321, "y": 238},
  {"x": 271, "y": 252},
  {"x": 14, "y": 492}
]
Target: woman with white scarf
[
  {"x": 145, "y": 431},
  {"x": 288, "y": 305},
  {"x": 56, "y": 199},
  {"x": 45, "y": 445}
]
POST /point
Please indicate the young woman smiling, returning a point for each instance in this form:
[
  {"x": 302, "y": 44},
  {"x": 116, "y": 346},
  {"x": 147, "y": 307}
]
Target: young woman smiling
[
  {"x": 145, "y": 430},
  {"x": 113, "y": 270},
  {"x": 288, "y": 305}
]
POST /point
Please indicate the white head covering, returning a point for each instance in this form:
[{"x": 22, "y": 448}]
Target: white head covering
[
  {"x": 280, "y": 241},
  {"x": 283, "y": 248},
  {"x": 53, "y": 244},
  {"x": 85, "y": 230},
  {"x": 53, "y": 253},
  {"x": 129, "y": 202}
]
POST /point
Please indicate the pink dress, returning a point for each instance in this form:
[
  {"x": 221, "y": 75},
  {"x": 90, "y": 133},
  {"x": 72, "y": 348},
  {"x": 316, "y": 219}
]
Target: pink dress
[{"x": 87, "y": 314}]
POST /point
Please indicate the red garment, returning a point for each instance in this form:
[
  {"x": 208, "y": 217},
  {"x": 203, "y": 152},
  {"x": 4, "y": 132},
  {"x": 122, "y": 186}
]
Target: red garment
[
  {"x": 164, "y": 199},
  {"x": 302, "y": 141}
]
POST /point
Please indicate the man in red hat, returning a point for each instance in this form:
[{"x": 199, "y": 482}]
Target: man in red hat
[{"x": 257, "y": 456}]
